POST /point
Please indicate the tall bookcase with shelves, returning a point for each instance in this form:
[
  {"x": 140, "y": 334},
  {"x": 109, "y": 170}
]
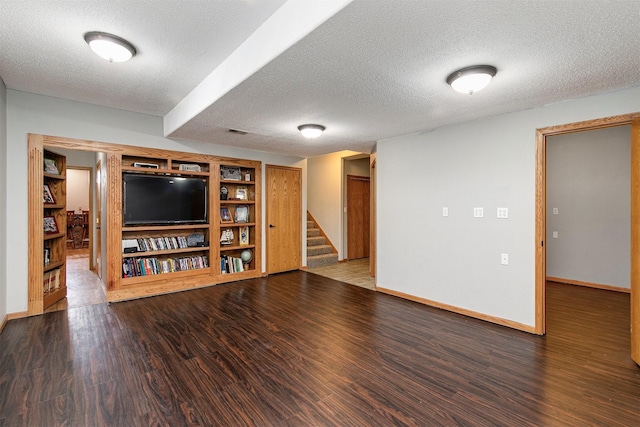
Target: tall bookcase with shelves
[
  {"x": 54, "y": 228},
  {"x": 239, "y": 219}
]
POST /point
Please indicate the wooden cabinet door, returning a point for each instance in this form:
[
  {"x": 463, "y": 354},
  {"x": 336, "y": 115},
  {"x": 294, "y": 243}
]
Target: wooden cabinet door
[{"x": 284, "y": 219}]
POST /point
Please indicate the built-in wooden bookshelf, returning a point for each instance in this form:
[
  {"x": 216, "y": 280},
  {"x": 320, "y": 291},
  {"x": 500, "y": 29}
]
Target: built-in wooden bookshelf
[
  {"x": 54, "y": 221},
  {"x": 157, "y": 258},
  {"x": 238, "y": 219},
  {"x": 201, "y": 260}
]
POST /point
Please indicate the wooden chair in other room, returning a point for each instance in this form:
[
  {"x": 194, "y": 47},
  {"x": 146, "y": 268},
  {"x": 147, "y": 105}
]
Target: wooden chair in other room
[{"x": 70, "y": 217}]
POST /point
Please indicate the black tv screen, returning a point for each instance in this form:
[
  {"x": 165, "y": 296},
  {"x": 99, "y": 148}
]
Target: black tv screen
[{"x": 161, "y": 199}]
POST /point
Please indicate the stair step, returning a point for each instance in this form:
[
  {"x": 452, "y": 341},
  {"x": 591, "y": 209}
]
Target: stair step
[
  {"x": 314, "y": 241},
  {"x": 313, "y": 232},
  {"x": 319, "y": 250},
  {"x": 322, "y": 260},
  {"x": 311, "y": 224}
]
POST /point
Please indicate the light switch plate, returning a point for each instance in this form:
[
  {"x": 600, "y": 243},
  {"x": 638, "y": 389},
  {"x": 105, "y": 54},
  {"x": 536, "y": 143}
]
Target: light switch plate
[
  {"x": 504, "y": 259},
  {"x": 555, "y": 234},
  {"x": 478, "y": 212},
  {"x": 555, "y": 211},
  {"x": 445, "y": 211},
  {"x": 503, "y": 213}
]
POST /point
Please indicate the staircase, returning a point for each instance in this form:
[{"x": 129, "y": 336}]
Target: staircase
[{"x": 319, "y": 253}]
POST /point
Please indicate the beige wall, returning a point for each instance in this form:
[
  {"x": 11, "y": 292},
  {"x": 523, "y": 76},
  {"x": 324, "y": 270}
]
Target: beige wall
[
  {"x": 325, "y": 192},
  {"x": 78, "y": 188}
]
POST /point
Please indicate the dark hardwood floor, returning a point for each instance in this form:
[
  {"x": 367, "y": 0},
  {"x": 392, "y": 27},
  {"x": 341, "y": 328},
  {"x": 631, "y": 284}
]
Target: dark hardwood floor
[{"x": 298, "y": 349}]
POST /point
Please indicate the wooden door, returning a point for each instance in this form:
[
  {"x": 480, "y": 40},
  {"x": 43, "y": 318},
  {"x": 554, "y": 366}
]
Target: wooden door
[
  {"x": 284, "y": 219},
  {"x": 358, "y": 211}
]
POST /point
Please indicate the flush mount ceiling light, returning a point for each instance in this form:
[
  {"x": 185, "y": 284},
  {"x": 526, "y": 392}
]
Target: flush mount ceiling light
[
  {"x": 311, "y": 131},
  {"x": 471, "y": 79},
  {"x": 110, "y": 47}
]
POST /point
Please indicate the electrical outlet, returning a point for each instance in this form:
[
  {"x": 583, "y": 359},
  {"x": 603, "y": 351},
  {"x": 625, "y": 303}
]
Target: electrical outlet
[
  {"x": 503, "y": 213},
  {"x": 445, "y": 211},
  {"x": 555, "y": 211},
  {"x": 504, "y": 259},
  {"x": 555, "y": 234},
  {"x": 478, "y": 212}
]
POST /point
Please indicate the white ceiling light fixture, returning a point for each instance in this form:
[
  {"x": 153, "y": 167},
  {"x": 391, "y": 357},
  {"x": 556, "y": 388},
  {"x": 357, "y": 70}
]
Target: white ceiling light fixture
[
  {"x": 110, "y": 47},
  {"x": 311, "y": 131},
  {"x": 471, "y": 79}
]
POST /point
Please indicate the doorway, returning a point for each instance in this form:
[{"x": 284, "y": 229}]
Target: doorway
[
  {"x": 540, "y": 275},
  {"x": 83, "y": 285},
  {"x": 284, "y": 218}
]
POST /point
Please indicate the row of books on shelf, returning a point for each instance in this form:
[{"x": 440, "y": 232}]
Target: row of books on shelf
[
  {"x": 229, "y": 264},
  {"x": 51, "y": 280},
  {"x": 154, "y": 244},
  {"x": 134, "y": 267}
]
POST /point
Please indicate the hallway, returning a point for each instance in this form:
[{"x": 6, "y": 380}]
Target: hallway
[{"x": 83, "y": 285}]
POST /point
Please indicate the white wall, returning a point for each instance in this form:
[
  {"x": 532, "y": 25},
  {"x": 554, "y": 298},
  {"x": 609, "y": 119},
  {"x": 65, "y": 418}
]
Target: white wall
[
  {"x": 78, "y": 186},
  {"x": 589, "y": 183},
  {"x": 30, "y": 113},
  {"x": 487, "y": 163},
  {"x": 3, "y": 201},
  {"x": 324, "y": 192}
]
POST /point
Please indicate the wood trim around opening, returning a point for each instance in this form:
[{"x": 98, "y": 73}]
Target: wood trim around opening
[{"x": 540, "y": 232}]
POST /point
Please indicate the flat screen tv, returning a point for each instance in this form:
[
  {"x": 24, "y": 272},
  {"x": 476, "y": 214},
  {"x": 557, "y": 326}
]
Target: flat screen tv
[{"x": 162, "y": 199}]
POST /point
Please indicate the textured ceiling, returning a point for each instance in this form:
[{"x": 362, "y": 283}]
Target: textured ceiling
[{"x": 374, "y": 70}]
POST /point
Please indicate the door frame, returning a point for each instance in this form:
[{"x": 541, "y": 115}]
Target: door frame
[{"x": 632, "y": 119}]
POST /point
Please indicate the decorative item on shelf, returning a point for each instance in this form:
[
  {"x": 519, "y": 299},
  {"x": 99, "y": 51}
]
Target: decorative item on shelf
[
  {"x": 55, "y": 279},
  {"x": 189, "y": 167},
  {"x": 225, "y": 215},
  {"x": 246, "y": 256},
  {"x": 244, "y": 236},
  {"x": 224, "y": 192},
  {"x": 50, "y": 166},
  {"x": 242, "y": 213},
  {"x": 48, "y": 196},
  {"x": 145, "y": 165},
  {"x": 242, "y": 193},
  {"x": 46, "y": 282},
  {"x": 50, "y": 225},
  {"x": 226, "y": 238},
  {"x": 195, "y": 240},
  {"x": 230, "y": 173},
  {"x": 247, "y": 176},
  {"x": 47, "y": 256}
]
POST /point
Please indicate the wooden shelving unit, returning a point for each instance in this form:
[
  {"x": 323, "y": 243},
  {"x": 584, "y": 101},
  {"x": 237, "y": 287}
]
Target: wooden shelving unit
[
  {"x": 54, "y": 242},
  {"x": 166, "y": 250},
  {"x": 240, "y": 215},
  {"x": 124, "y": 159},
  {"x": 157, "y": 279}
]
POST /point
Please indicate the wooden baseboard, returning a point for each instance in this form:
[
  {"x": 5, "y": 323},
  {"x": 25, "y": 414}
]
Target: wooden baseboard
[
  {"x": 497, "y": 320},
  {"x": 12, "y": 316},
  {"x": 588, "y": 285}
]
